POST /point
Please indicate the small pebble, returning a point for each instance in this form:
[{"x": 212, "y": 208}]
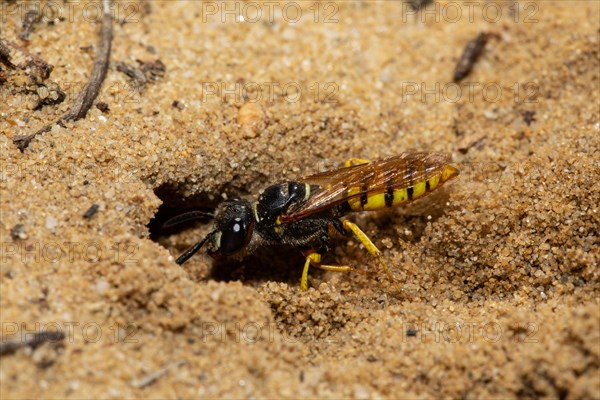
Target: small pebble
[
  {"x": 249, "y": 116},
  {"x": 18, "y": 232},
  {"x": 51, "y": 222},
  {"x": 102, "y": 286}
]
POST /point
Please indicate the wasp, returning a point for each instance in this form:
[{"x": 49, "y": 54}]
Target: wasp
[{"x": 304, "y": 213}]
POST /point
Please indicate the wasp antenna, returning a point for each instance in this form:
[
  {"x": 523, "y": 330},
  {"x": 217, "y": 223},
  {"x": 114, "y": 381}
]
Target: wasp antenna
[
  {"x": 192, "y": 250},
  {"x": 185, "y": 217}
]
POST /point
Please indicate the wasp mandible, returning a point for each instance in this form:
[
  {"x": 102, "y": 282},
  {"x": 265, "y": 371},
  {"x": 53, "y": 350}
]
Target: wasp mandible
[{"x": 303, "y": 213}]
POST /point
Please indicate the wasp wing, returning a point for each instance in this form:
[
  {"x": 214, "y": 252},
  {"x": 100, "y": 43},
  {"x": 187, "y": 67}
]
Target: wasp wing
[{"x": 341, "y": 185}]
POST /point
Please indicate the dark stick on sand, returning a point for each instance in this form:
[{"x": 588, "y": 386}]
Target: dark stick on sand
[
  {"x": 470, "y": 55},
  {"x": 92, "y": 87},
  {"x": 31, "y": 18},
  {"x": 38, "y": 338}
]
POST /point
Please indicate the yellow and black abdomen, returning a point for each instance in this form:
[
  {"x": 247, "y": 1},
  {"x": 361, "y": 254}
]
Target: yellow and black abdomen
[{"x": 408, "y": 183}]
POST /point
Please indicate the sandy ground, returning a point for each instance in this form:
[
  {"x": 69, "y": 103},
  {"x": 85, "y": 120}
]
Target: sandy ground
[{"x": 499, "y": 276}]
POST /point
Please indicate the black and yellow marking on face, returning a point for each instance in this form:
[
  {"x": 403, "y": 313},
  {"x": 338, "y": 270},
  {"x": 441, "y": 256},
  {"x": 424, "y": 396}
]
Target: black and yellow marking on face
[{"x": 307, "y": 191}]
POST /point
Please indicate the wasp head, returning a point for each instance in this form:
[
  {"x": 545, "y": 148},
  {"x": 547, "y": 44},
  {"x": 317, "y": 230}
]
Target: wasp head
[
  {"x": 233, "y": 227},
  {"x": 232, "y": 230}
]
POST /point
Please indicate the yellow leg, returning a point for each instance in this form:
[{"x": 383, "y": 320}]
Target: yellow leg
[
  {"x": 304, "y": 279},
  {"x": 334, "y": 268},
  {"x": 356, "y": 161},
  {"x": 314, "y": 259},
  {"x": 371, "y": 248}
]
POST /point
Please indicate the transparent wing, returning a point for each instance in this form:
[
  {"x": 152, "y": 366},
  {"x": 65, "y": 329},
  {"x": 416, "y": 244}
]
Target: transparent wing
[{"x": 341, "y": 185}]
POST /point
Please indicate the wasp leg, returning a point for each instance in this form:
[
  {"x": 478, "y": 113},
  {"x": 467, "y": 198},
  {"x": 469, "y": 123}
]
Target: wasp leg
[
  {"x": 371, "y": 248},
  {"x": 339, "y": 227},
  {"x": 356, "y": 161},
  {"x": 314, "y": 259},
  {"x": 304, "y": 278}
]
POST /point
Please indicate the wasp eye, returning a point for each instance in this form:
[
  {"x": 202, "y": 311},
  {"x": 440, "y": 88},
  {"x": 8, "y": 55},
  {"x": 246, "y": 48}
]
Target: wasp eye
[
  {"x": 234, "y": 237},
  {"x": 234, "y": 223}
]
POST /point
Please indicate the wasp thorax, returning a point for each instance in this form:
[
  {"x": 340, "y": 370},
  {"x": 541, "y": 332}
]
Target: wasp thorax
[
  {"x": 278, "y": 198},
  {"x": 234, "y": 224}
]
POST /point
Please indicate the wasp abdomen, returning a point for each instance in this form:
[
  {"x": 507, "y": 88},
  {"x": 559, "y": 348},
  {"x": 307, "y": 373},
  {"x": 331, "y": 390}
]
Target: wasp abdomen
[{"x": 364, "y": 198}]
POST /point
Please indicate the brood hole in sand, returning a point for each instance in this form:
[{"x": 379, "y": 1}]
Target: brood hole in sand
[
  {"x": 265, "y": 264},
  {"x": 175, "y": 203}
]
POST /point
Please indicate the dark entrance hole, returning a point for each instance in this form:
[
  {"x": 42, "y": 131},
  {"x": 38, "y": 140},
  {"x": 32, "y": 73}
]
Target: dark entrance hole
[
  {"x": 174, "y": 204},
  {"x": 279, "y": 264}
]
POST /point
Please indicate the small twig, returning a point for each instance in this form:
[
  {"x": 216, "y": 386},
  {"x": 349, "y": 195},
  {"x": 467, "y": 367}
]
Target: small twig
[
  {"x": 92, "y": 87},
  {"x": 38, "y": 338},
  {"x": 470, "y": 55},
  {"x": 34, "y": 67},
  {"x": 151, "y": 378},
  {"x": 91, "y": 211},
  {"x": 471, "y": 141},
  {"x": 31, "y": 18},
  {"x": 5, "y": 55}
]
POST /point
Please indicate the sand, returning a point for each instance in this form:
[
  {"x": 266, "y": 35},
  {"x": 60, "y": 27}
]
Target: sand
[{"x": 499, "y": 273}]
